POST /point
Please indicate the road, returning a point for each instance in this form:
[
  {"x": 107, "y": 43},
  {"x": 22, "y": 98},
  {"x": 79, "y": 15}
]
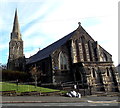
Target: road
[{"x": 34, "y": 101}]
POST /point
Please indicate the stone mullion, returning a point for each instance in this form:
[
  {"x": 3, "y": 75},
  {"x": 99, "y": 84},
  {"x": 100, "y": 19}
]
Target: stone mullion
[
  {"x": 87, "y": 52},
  {"x": 74, "y": 55},
  {"x": 81, "y": 52}
]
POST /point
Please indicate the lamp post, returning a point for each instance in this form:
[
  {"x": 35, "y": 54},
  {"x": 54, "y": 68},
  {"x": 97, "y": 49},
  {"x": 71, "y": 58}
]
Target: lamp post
[{"x": 17, "y": 84}]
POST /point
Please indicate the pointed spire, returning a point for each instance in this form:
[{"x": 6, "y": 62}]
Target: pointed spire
[
  {"x": 16, "y": 24},
  {"x": 16, "y": 30}
]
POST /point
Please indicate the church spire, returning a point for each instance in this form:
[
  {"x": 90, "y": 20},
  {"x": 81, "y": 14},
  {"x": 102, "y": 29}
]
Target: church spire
[
  {"x": 16, "y": 58},
  {"x": 16, "y": 24},
  {"x": 16, "y": 29}
]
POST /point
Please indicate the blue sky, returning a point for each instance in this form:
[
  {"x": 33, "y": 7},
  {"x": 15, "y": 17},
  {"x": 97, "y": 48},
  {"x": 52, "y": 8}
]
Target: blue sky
[{"x": 42, "y": 22}]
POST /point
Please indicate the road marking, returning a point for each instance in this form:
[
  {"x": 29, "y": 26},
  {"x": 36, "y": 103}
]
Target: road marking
[{"x": 114, "y": 101}]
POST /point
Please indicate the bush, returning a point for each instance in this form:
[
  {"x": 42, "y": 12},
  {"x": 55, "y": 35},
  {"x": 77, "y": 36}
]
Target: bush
[{"x": 9, "y": 75}]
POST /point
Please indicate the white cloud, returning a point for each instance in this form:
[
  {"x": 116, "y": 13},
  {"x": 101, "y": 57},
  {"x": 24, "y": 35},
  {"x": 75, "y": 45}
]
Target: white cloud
[
  {"x": 30, "y": 53},
  {"x": 25, "y": 1},
  {"x": 31, "y": 30},
  {"x": 81, "y": 9},
  {"x": 63, "y": 21},
  {"x": 33, "y": 42},
  {"x": 3, "y": 46},
  {"x": 43, "y": 22},
  {"x": 106, "y": 33}
]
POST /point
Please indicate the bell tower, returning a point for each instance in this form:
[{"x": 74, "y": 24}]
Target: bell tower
[{"x": 16, "y": 57}]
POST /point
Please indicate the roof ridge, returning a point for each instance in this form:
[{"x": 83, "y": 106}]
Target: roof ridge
[{"x": 49, "y": 49}]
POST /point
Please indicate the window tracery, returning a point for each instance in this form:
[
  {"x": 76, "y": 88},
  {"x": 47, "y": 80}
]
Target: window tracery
[{"x": 63, "y": 61}]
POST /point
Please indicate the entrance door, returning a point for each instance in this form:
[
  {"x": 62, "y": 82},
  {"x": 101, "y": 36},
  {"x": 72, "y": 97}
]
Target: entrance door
[{"x": 78, "y": 76}]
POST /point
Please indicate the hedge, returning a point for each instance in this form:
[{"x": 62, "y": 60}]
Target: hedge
[{"x": 9, "y": 75}]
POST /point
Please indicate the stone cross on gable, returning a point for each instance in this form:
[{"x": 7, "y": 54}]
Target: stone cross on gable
[{"x": 79, "y": 23}]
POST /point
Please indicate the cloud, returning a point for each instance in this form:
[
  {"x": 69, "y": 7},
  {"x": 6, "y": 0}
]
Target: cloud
[
  {"x": 34, "y": 41},
  {"x": 44, "y": 22},
  {"x": 106, "y": 33},
  {"x": 3, "y": 46},
  {"x": 29, "y": 53}
]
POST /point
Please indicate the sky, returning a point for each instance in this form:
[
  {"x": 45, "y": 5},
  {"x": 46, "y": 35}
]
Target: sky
[{"x": 43, "y": 22}]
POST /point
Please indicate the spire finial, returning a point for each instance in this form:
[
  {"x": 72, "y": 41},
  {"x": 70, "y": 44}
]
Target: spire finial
[{"x": 16, "y": 11}]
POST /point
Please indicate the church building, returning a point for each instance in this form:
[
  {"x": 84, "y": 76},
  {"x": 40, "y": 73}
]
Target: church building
[{"x": 76, "y": 57}]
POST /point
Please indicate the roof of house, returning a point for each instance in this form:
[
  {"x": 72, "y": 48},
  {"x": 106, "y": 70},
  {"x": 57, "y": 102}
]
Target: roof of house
[{"x": 44, "y": 53}]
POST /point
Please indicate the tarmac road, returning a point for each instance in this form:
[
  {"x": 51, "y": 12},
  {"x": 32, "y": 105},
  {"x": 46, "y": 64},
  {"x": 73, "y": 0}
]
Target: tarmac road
[{"x": 45, "y": 101}]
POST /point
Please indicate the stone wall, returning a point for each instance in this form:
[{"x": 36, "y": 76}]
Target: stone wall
[{"x": 61, "y": 75}]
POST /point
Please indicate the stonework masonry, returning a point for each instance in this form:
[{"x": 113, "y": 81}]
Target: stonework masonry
[
  {"x": 16, "y": 60},
  {"x": 77, "y": 57}
]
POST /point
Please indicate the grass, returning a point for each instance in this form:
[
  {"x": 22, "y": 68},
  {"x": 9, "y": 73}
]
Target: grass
[{"x": 4, "y": 86}]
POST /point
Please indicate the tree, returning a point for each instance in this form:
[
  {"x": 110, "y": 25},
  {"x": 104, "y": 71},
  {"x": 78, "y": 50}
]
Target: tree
[
  {"x": 3, "y": 66},
  {"x": 35, "y": 74}
]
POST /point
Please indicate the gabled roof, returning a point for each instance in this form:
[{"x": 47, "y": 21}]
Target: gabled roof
[{"x": 44, "y": 53}]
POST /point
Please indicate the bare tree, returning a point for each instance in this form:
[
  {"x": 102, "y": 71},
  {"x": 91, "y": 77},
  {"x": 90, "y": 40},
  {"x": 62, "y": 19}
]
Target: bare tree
[
  {"x": 35, "y": 74},
  {"x": 3, "y": 66}
]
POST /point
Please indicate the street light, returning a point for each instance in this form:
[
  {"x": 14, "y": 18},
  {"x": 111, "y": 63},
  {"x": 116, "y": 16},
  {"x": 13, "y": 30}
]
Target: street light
[{"x": 17, "y": 84}]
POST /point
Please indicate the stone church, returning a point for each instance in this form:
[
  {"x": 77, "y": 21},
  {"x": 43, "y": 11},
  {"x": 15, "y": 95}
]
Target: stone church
[{"x": 76, "y": 57}]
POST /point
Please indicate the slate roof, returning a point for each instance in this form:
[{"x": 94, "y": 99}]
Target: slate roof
[{"x": 44, "y": 53}]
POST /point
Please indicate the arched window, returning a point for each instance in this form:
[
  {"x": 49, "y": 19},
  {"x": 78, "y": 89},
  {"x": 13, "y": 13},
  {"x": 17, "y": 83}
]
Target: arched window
[
  {"x": 77, "y": 50},
  {"x": 105, "y": 57},
  {"x": 90, "y": 52},
  {"x": 93, "y": 73},
  {"x": 63, "y": 61},
  {"x": 108, "y": 74},
  {"x": 83, "y": 47}
]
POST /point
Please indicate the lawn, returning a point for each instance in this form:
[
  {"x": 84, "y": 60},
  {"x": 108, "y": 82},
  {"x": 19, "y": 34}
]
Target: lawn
[{"x": 5, "y": 86}]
